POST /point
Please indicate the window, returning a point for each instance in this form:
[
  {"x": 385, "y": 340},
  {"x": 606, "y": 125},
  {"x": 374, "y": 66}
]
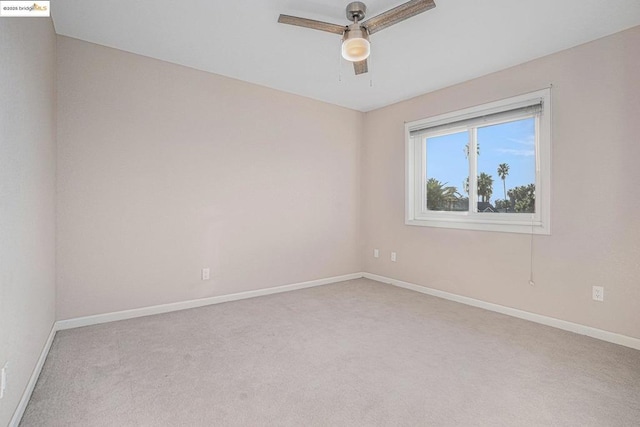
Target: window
[{"x": 482, "y": 168}]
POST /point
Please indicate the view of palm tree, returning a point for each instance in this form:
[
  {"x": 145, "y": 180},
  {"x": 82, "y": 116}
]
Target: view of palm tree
[
  {"x": 508, "y": 150},
  {"x": 485, "y": 187},
  {"x": 441, "y": 197},
  {"x": 503, "y": 172},
  {"x": 523, "y": 198},
  {"x": 466, "y": 150}
]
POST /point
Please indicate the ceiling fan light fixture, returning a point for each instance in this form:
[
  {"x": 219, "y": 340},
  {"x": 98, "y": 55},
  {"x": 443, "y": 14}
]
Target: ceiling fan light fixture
[
  {"x": 355, "y": 45},
  {"x": 355, "y": 37}
]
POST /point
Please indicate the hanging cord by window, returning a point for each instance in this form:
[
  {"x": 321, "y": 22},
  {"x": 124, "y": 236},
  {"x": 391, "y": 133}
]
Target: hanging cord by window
[{"x": 531, "y": 282}]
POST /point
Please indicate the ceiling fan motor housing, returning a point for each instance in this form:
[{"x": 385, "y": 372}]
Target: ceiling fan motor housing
[
  {"x": 354, "y": 31},
  {"x": 356, "y": 11}
]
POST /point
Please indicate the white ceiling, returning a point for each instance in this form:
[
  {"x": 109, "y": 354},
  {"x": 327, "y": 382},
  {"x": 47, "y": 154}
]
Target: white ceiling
[{"x": 457, "y": 41}]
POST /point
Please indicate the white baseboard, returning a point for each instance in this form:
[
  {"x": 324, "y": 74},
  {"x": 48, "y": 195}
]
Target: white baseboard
[
  {"x": 182, "y": 305},
  {"x": 611, "y": 337},
  {"x": 26, "y": 395}
]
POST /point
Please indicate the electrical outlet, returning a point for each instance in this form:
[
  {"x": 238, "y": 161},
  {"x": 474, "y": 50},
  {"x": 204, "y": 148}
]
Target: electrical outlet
[
  {"x": 376, "y": 253},
  {"x": 206, "y": 273},
  {"x": 394, "y": 257},
  {"x": 3, "y": 380},
  {"x": 598, "y": 293}
]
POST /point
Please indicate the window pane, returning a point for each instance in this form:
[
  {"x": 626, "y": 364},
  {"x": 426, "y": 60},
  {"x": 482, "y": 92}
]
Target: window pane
[
  {"x": 447, "y": 171},
  {"x": 507, "y": 167}
]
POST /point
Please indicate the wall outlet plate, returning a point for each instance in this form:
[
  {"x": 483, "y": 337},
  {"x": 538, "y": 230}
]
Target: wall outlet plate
[
  {"x": 206, "y": 273},
  {"x": 598, "y": 293}
]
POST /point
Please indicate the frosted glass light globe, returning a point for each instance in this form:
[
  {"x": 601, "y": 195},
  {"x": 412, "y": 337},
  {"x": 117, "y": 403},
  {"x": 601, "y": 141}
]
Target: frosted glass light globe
[{"x": 356, "y": 49}]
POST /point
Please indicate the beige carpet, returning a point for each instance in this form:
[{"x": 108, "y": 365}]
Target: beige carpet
[{"x": 357, "y": 353}]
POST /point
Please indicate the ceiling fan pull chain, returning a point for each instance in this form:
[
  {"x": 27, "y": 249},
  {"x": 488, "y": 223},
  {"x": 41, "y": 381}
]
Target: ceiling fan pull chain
[
  {"x": 340, "y": 64},
  {"x": 372, "y": 68}
]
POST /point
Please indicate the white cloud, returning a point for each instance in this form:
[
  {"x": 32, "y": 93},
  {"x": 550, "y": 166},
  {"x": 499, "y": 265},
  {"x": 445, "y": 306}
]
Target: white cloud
[
  {"x": 516, "y": 152},
  {"x": 528, "y": 140}
]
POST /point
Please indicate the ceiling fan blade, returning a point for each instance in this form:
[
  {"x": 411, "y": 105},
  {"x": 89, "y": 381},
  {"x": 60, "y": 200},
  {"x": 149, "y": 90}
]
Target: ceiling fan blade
[
  {"x": 311, "y": 23},
  {"x": 397, "y": 14},
  {"x": 361, "y": 67}
]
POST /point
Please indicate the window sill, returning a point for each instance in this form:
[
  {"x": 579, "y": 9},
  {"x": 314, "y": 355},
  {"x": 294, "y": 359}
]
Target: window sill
[{"x": 480, "y": 225}]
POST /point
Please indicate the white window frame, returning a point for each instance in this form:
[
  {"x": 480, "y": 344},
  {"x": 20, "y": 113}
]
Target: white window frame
[{"x": 415, "y": 167}]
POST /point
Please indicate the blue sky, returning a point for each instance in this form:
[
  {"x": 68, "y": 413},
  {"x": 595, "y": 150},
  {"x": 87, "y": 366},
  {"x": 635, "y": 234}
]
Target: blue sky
[{"x": 511, "y": 143}]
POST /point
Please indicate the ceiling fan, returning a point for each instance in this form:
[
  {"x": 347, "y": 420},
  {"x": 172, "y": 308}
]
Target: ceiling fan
[{"x": 355, "y": 37}]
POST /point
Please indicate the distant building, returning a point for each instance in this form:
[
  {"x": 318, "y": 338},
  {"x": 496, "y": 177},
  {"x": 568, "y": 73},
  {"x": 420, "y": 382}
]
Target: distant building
[{"x": 486, "y": 207}]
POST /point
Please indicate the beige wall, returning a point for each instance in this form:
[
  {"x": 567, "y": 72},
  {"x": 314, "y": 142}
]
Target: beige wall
[
  {"x": 164, "y": 170},
  {"x": 27, "y": 199},
  {"x": 595, "y": 204}
]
